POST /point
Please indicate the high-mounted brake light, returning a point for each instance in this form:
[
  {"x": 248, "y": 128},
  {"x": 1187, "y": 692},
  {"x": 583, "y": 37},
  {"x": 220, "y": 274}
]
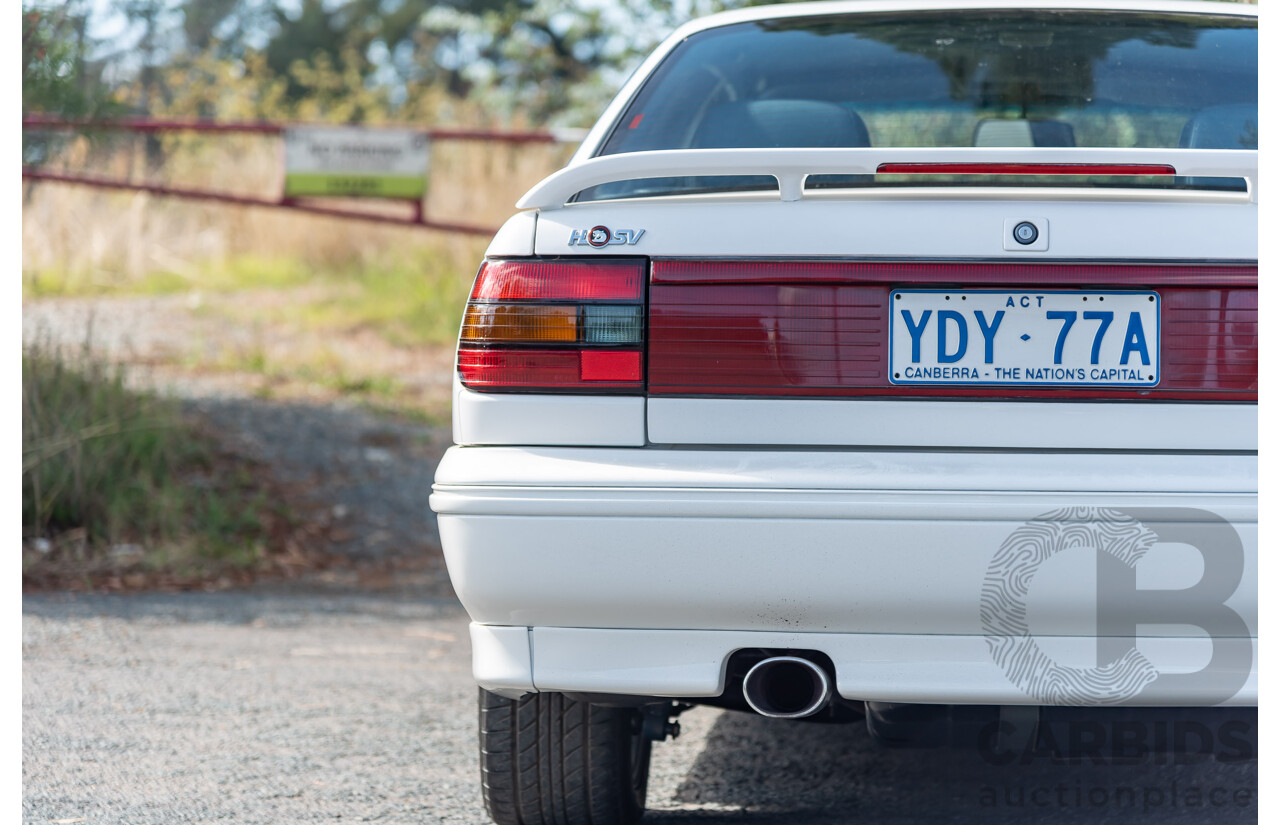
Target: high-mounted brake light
[
  {"x": 555, "y": 325},
  {"x": 1025, "y": 169}
]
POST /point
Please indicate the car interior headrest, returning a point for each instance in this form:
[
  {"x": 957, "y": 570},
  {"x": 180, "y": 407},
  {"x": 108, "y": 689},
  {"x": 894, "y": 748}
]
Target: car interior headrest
[
  {"x": 1005, "y": 132},
  {"x": 779, "y": 123}
]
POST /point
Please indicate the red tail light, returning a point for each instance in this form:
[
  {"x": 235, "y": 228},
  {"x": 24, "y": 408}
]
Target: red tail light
[
  {"x": 555, "y": 326},
  {"x": 560, "y": 280},
  {"x": 822, "y": 328}
]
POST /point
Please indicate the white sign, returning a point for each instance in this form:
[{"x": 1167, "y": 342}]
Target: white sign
[{"x": 354, "y": 161}]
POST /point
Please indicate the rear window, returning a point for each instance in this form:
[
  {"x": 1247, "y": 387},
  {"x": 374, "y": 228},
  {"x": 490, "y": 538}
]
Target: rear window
[{"x": 948, "y": 79}]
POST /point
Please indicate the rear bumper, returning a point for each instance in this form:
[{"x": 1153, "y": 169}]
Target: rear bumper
[
  {"x": 640, "y": 570},
  {"x": 690, "y": 664}
]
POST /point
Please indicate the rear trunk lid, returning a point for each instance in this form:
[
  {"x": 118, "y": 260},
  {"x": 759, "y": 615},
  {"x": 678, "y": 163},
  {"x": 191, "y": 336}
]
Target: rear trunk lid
[{"x": 774, "y": 322}]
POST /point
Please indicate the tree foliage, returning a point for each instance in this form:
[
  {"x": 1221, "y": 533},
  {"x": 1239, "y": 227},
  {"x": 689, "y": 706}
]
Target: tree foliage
[
  {"x": 536, "y": 61},
  {"x": 57, "y": 77}
]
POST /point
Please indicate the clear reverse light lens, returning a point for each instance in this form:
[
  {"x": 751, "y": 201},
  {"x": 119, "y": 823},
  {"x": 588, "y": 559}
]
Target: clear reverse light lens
[{"x": 603, "y": 324}]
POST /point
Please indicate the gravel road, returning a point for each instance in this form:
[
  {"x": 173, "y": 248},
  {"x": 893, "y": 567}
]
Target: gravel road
[
  {"x": 371, "y": 473},
  {"x": 289, "y": 706}
]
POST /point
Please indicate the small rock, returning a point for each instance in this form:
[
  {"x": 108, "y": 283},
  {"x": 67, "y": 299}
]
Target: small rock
[
  {"x": 340, "y": 512},
  {"x": 42, "y": 545},
  {"x": 125, "y": 553}
]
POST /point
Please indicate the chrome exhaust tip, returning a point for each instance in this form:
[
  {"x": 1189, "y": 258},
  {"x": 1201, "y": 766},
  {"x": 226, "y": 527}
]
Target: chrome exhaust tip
[{"x": 786, "y": 687}]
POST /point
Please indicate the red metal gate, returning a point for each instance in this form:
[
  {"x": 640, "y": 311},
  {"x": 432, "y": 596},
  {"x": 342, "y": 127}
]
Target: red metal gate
[{"x": 416, "y": 217}]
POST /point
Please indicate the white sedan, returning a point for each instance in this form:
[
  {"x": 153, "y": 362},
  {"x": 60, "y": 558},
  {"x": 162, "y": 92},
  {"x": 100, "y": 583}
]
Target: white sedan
[{"x": 869, "y": 360}]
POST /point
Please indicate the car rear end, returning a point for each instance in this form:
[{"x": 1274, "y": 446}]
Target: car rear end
[{"x": 941, "y": 382}]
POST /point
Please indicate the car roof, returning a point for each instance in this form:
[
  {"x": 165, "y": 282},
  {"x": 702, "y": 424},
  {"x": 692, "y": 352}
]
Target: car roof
[{"x": 830, "y": 7}]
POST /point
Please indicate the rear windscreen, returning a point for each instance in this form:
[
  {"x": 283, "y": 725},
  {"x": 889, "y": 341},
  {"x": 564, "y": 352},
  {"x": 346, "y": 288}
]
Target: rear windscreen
[{"x": 950, "y": 79}]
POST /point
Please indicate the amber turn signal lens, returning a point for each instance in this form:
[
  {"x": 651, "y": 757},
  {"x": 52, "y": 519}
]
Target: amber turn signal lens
[{"x": 517, "y": 323}]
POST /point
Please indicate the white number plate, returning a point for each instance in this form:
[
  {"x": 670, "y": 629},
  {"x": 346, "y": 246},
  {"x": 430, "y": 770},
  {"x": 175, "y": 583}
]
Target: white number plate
[{"x": 1010, "y": 337}]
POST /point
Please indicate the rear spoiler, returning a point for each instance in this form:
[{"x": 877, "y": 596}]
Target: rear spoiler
[{"x": 791, "y": 166}]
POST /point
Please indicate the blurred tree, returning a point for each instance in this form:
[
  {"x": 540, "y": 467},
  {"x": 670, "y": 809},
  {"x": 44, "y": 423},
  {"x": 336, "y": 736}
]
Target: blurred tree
[
  {"x": 315, "y": 33},
  {"x": 147, "y": 14},
  {"x": 57, "y": 76},
  {"x": 555, "y": 60},
  {"x": 202, "y": 19},
  {"x": 543, "y": 59},
  {"x": 539, "y": 61}
]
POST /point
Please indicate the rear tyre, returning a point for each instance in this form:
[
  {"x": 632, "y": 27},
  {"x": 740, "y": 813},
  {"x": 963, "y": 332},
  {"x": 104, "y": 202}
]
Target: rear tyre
[{"x": 548, "y": 760}]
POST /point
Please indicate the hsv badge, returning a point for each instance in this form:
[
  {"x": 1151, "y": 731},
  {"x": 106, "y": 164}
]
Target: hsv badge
[{"x": 601, "y": 236}]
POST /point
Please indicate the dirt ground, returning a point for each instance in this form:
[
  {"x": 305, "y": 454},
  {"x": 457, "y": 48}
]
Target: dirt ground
[{"x": 363, "y": 473}]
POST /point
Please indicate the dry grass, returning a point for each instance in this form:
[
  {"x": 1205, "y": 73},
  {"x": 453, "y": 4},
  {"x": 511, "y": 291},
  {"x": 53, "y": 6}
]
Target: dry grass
[
  {"x": 351, "y": 300},
  {"x": 77, "y": 240}
]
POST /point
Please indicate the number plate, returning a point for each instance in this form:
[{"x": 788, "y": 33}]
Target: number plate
[{"x": 1006, "y": 337}]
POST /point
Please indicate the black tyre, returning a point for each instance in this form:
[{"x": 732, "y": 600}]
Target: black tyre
[{"x": 548, "y": 760}]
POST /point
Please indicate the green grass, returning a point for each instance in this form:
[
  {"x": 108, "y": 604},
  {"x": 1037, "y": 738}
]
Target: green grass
[
  {"x": 106, "y": 468},
  {"x": 236, "y": 274},
  {"x": 317, "y": 367},
  {"x": 409, "y": 299},
  {"x": 320, "y": 369}
]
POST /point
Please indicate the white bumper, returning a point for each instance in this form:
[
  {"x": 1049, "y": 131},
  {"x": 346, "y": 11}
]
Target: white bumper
[{"x": 640, "y": 570}]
